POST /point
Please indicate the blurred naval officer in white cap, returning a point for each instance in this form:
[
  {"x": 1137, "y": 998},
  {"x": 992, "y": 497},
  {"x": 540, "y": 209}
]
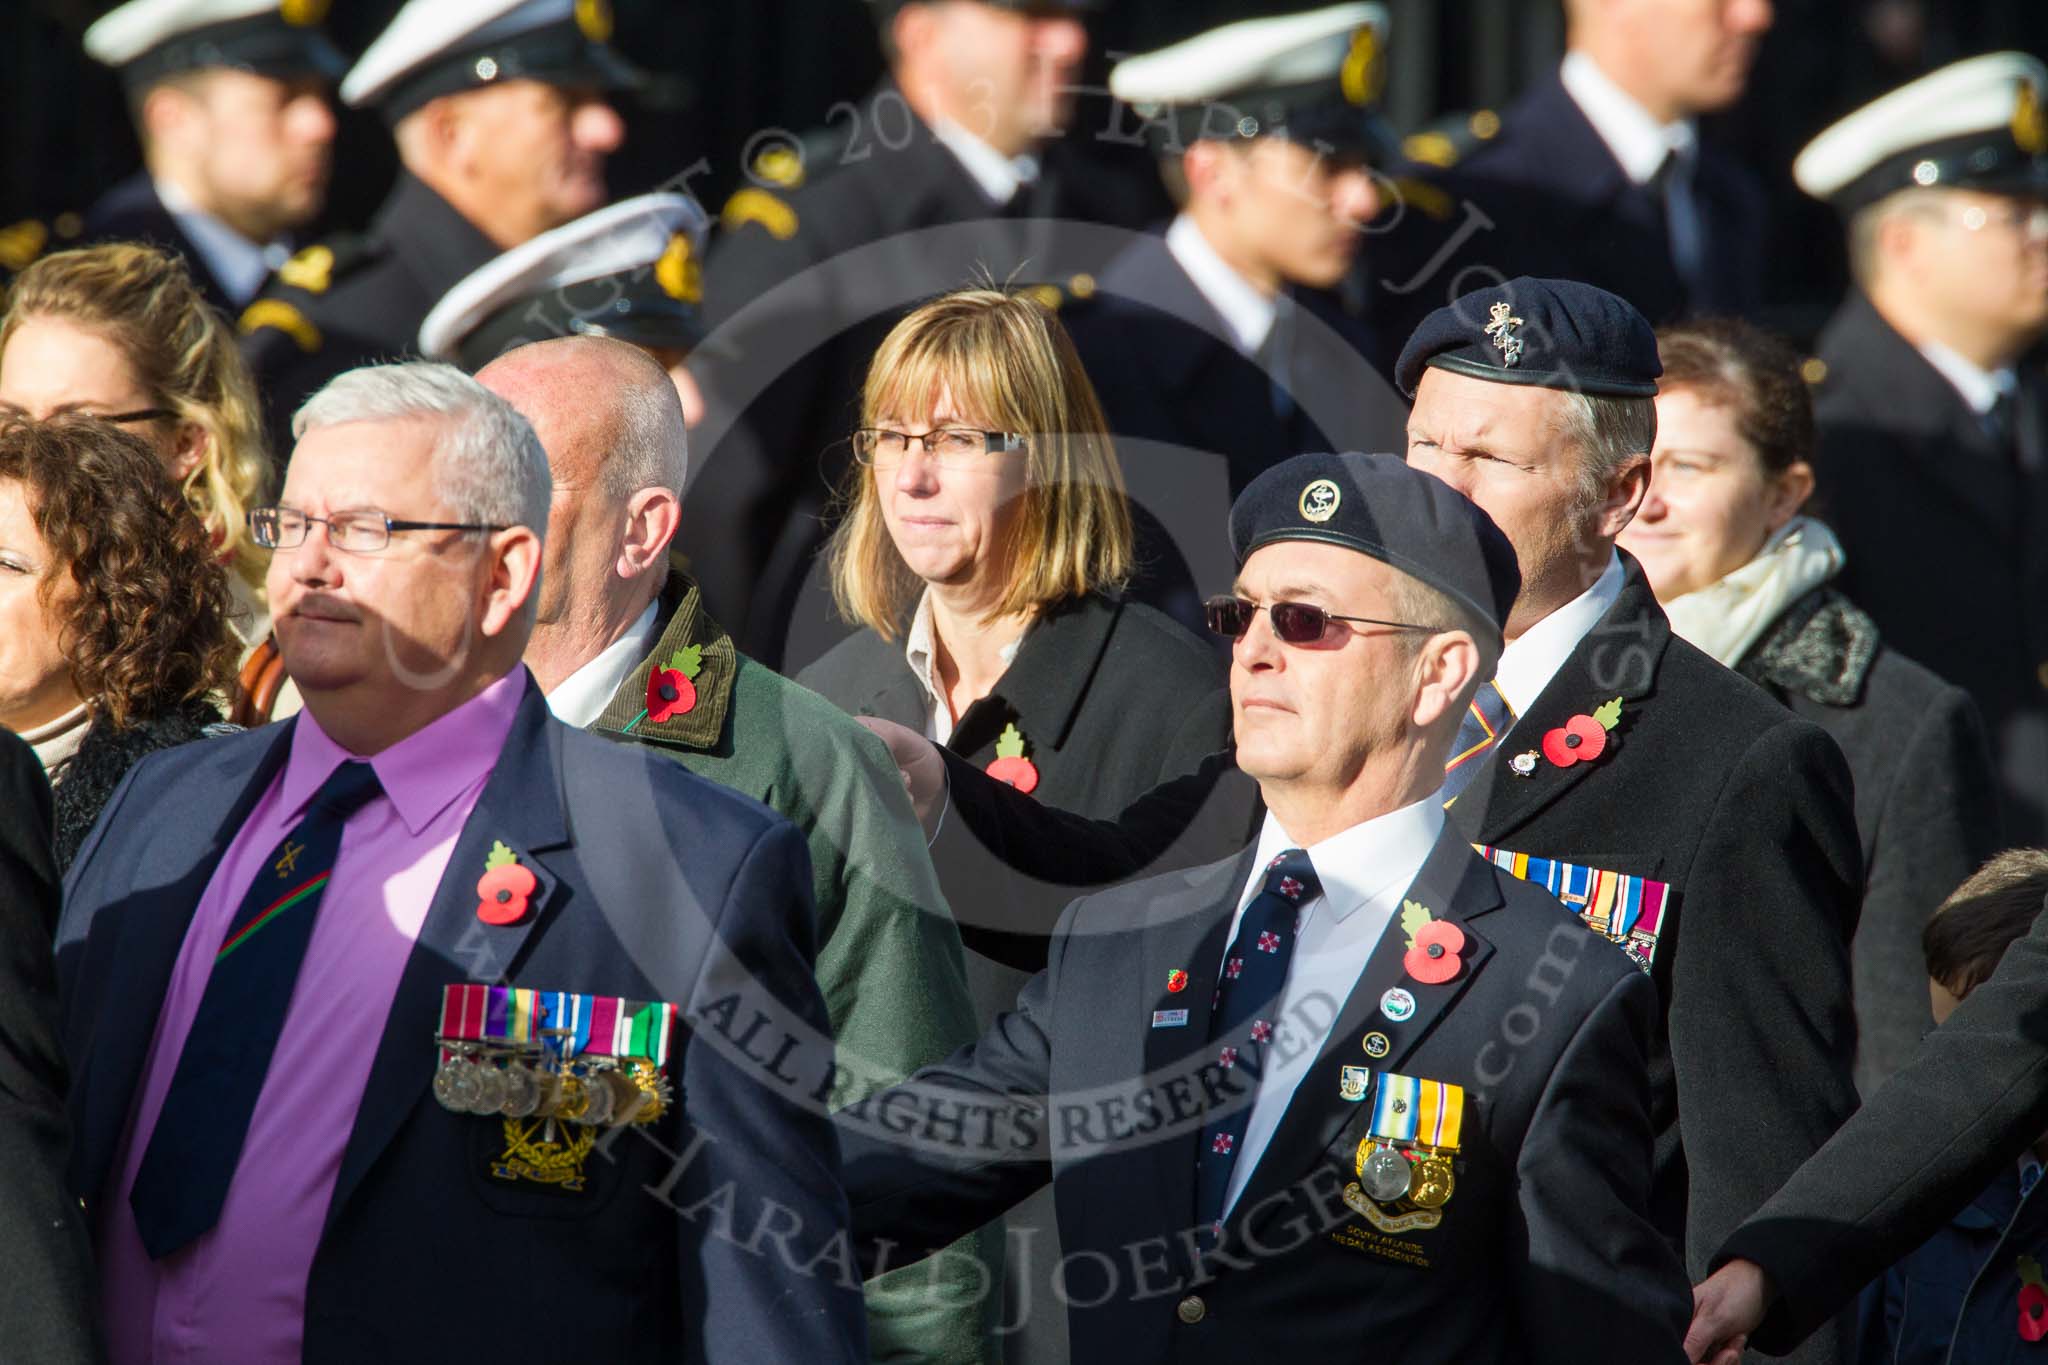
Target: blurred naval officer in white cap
[
  {"x": 1214, "y": 338},
  {"x": 500, "y": 112},
  {"x": 632, "y": 272},
  {"x": 230, "y": 104},
  {"x": 1932, "y": 395}
]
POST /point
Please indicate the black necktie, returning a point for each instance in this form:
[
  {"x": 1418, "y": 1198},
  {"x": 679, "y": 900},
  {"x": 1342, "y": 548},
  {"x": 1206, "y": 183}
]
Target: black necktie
[
  {"x": 197, "y": 1142},
  {"x": 1247, "y": 1012}
]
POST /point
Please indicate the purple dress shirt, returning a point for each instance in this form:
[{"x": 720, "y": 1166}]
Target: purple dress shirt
[{"x": 239, "y": 1292}]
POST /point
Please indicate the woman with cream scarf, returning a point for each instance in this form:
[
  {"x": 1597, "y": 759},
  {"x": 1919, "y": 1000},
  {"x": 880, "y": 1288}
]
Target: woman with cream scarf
[{"x": 1743, "y": 574}]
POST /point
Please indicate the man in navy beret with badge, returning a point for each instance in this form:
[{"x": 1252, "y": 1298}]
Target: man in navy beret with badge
[
  {"x": 423, "y": 1026},
  {"x": 230, "y": 103},
  {"x": 1639, "y": 781},
  {"x": 501, "y": 115},
  {"x": 1350, "y": 1084}
]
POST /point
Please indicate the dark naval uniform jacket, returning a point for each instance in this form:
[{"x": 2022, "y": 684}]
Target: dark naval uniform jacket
[
  {"x": 1196, "y": 420},
  {"x": 1553, "y": 202},
  {"x": 1543, "y": 1252},
  {"x": 815, "y": 259},
  {"x": 1707, "y": 787},
  {"x": 132, "y": 212},
  {"x": 653, "y": 884},
  {"x": 1966, "y": 592},
  {"x": 357, "y": 300}
]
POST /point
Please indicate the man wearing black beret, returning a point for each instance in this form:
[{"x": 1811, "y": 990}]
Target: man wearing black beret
[
  {"x": 1644, "y": 784},
  {"x": 1351, "y": 1083}
]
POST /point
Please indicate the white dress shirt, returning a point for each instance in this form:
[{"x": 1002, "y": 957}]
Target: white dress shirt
[
  {"x": 1247, "y": 310},
  {"x": 1362, "y": 872},
  {"x": 1641, "y": 145},
  {"x": 998, "y": 176},
  {"x": 921, "y": 652},
  {"x": 1528, "y": 665},
  {"x": 1980, "y": 388},
  {"x": 239, "y": 264},
  {"x": 580, "y": 698}
]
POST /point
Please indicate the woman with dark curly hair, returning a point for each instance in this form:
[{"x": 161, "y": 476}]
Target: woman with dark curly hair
[{"x": 113, "y": 610}]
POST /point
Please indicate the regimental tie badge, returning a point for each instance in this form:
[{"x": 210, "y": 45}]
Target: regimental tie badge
[{"x": 1500, "y": 329}]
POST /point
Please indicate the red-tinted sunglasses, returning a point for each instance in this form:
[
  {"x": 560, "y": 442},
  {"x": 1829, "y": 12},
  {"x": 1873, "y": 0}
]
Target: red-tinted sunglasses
[{"x": 1296, "y": 623}]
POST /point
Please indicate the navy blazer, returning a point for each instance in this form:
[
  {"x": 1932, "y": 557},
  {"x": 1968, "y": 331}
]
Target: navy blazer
[
  {"x": 1544, "y": 1253},
  {"x": 654, "y": 884}
]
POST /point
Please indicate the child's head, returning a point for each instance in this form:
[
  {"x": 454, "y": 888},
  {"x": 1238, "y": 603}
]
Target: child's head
[{"x": 1996, "y": 905}]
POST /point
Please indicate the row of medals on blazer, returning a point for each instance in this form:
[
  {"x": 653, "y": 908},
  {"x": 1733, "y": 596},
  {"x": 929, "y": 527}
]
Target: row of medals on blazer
[{"x": 534, "y": 1082}]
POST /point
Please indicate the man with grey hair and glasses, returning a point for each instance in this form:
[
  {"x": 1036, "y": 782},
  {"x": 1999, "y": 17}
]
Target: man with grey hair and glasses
[{"x": 372, "y": 1020}]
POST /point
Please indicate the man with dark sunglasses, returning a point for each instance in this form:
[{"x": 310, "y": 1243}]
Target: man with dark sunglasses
[
  {"x": 1671, "y": 803},
  {"x": 1351, "y": 1079}
]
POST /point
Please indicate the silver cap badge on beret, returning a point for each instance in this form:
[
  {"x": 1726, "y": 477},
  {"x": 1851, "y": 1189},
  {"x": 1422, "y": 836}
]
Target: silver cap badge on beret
[
  {"x": 1319, "y": 500},
  {"x": 1499, "y": 328}
]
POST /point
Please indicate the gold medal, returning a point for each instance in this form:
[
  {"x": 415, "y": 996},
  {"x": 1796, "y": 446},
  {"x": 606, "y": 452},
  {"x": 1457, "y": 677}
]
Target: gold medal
[{"x": 1433, "y": 1182}]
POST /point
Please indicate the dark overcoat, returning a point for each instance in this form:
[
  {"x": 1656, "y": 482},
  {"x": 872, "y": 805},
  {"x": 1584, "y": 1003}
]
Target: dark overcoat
[{"x": 1946, "y": 534}]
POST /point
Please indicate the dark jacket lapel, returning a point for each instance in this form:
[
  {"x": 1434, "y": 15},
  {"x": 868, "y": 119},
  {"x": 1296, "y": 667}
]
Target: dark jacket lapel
[
  {"x": 521, "y": 805},
  {"x": 1454, "y": 884},
  {"x": 1618, "y": 657},
  {"x": 142, "y": 948},
  {"x": 1045, "y": 682}
]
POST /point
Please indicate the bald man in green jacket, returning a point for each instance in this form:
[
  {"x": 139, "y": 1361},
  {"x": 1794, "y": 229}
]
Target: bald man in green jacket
[{"x": 623, "y": 646}]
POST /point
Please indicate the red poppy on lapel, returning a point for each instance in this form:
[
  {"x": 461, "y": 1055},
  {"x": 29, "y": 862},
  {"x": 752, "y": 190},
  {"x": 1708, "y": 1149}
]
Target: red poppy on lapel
[
  {"x": 1583, "y": 738},
  {"x": 504, "y": 893}
]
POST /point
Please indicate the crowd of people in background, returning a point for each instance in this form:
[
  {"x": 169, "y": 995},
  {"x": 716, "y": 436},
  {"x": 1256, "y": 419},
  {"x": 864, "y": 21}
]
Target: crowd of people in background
[{"x": 933, "y": 767}]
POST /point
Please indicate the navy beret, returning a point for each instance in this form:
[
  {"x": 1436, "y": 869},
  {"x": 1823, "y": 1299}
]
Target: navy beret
[
  {"x": 1555, "y": 334},
  {"x": 1379, "y": 506}
]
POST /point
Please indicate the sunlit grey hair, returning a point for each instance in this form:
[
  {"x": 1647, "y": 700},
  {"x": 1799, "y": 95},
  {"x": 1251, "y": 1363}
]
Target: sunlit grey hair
[
  {"x": 1607, "y": 433},
  {"x": 488, "y": 465},
  {"x": 651, "y": 443}
]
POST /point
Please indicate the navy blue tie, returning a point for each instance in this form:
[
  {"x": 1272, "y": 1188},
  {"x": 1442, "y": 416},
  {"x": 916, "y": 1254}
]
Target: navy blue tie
[
  {"x": 1487, "y": 718},
  {"x": 1247, "y": 1011},
  {"x": 192, "y": 1152}
]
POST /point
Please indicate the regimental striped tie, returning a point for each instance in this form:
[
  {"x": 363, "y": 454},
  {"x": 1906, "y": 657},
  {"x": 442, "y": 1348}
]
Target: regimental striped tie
[
  {"x": 1487, "y": 718},
  {"x": 197, "y": 1142},
  {"x": 1247, "y": 1012}
]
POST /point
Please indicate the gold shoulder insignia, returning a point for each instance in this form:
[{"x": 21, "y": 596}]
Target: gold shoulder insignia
[
  {"x": 679, "y": 273},
  {"x": 1425, "y": 197},
  {"x": 780, "y": 165},
  {"x": 1431, "y": 149},
  {"x": 752, "y": 205},
  {"x": 278, "y": 314},
  {"x": 311, "y": 269},
  {"x": 21, "y": 243}
]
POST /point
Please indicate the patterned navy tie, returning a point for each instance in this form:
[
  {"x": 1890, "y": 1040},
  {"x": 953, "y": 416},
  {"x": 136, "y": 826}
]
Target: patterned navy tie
[
  {"x": 1487, "y": 718},
  {"x": 1247, "y": 1011},
  {"x": 197, "y": 1142}
]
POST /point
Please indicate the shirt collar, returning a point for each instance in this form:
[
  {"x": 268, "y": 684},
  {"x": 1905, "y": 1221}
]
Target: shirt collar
[
  {"x": 421, "y": 773},
  {"x": 239, "y": 264},
  {"x": 1980, "y": 388},
  {"x": 920, "y": 651},
  {"x": 1362, "y": 863},
  {"x": 999, "y": 176},
  {"x": 580, "y": 698},
  {"x": 1527, "y": 665},
  {"x": 1638, "y": 141},
  {"x": 1248, "y": 312}
]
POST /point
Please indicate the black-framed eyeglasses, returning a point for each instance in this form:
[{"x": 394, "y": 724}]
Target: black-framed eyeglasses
[
  {"x": 948, "y": 445},
  {"x": 1296, "y": 623},
  {"x": 359, "y": 533}
]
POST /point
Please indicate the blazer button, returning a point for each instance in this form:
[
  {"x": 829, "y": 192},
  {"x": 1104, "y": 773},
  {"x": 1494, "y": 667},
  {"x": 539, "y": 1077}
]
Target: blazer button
[{"x": 1192, "y": 1310}]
